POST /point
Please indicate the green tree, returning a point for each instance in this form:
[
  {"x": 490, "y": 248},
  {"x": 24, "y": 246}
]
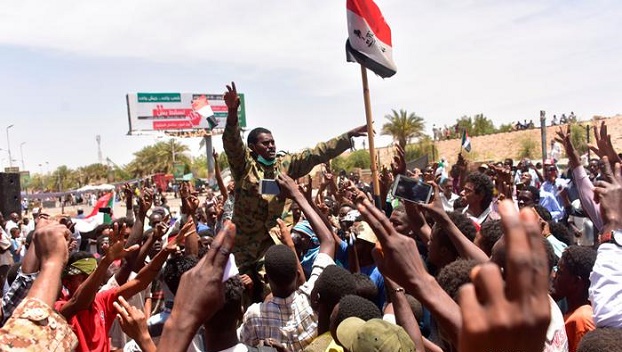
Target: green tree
[
  {"x": 505, "y": 128},
  {"x": 465, "y": 123},
  {"x": 578, "y": 135},
  {"x": 403, "y": 126},
  {"x": 339, "y": 163},
  {"x": 64, "y": 178},
  {"x": 482, "y": 125},
  {"x": 199, "y": 166},
  {"x": 94, "y": 173},
  {"x": 223, "y": 162},
  {"x": 359, "y": 159},
  {"x": 159, "y": 157},
  {"x": 528, "y": 148},
  {"x": 425, "y": 146}
]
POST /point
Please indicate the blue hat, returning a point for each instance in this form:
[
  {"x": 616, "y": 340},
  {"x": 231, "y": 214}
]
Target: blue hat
[{"x": 304, "y": 227}]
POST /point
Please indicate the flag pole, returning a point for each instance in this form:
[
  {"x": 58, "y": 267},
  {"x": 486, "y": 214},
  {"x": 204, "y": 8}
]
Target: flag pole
[{"x": 370, "y": 137}]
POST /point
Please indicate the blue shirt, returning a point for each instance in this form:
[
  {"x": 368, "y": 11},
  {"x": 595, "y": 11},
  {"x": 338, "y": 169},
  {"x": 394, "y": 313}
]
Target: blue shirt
[
  {"x": 341, "y": 258},
  {"x": 375, "y": 276}
]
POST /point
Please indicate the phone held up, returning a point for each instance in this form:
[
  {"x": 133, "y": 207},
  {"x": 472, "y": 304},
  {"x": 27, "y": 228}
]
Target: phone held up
[
  {"x": 411, "y": 190},
  {"x": 269, "y": 187}
]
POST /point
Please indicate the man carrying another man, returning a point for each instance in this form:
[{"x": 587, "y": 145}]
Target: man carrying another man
[{"x": 255, "y": 214}]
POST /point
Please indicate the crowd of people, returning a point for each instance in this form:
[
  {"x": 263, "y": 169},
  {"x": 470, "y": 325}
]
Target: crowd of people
[
  {"x": 455, "y": 131},
  {"x": 503, "y": 258}
]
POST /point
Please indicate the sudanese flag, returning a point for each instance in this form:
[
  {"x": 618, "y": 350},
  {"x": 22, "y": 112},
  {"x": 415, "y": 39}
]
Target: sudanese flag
[{"x": 369, "y": 38}]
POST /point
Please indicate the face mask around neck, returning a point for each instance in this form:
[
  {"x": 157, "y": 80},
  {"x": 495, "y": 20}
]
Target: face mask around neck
[{"x": 265, "y": 162}]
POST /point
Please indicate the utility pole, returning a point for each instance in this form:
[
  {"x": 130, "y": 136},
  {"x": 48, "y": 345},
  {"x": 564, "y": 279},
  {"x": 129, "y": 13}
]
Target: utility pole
[
  {"x": 98, "y": 138},
  {"x": 21, "y": 151},
  {"x": 9, "y": 146}
]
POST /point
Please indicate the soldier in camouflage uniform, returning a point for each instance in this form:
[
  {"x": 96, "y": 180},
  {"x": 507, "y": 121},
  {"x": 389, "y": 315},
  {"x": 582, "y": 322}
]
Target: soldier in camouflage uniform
[
  {"x": 255, "y": 214},
  {"x": 36, "y": 326}
]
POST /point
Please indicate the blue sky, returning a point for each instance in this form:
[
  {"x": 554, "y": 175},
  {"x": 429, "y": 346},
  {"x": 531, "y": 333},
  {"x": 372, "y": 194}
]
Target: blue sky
[{"x": 65, "y": 66}]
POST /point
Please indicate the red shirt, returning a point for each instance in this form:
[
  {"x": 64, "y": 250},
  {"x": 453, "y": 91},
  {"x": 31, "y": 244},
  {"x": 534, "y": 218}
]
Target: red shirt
[{"x": 91, "y": 325}]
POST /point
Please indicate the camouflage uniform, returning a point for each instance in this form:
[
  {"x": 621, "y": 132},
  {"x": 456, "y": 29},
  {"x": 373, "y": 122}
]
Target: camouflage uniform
[
  {"x": 34, "y": 326},
  {"x": 255, "y": 214}
]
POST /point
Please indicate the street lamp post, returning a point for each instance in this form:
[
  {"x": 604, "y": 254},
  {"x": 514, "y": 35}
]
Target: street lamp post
[
  {"x": 9, "y": 145},
  {"x": 21, "y": 151}
]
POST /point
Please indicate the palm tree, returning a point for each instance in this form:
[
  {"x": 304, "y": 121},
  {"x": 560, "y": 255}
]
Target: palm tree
[
  {"x": 159, "y": 157},
  {"x": 403, "y": 126}
]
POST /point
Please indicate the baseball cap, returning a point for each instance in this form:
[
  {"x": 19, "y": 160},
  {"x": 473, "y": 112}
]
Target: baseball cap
[
  {"x": 365, "y": 233},
  {"x": 358, "y": 335}
]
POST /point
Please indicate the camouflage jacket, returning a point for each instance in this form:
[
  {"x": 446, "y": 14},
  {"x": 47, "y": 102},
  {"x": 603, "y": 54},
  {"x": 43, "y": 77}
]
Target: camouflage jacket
[
  {"x": 34, "y": 326},
  {"x": 255, "y": 214}
]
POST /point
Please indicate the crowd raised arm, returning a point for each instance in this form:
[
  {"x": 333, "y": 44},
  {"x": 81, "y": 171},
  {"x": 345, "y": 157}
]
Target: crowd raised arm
[{"x": 497, "y": 257}]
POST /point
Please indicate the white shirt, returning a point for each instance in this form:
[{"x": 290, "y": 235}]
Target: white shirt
[
  {"x": 240, "y": 347},
  {"x": 556, "y": 337},
  {"x": 448, "y": 204},
  {"x": 6, "y": 258},
  {"x": 606, "y": 286}
]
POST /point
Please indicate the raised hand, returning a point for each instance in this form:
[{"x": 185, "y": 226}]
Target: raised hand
[
  {"x": 288, "y": 186},
  {"x": 563, "y": 137},
  {"x": 128, "y": 192},
  {"x": 161, "y": 228},
  {"x": 132, "y": 320},
  {"x": 231, "y": 97},
  {"x": 188, "y": 229},
  {"x": 435, "y": 209},
  {"x": 50, "y": 240},
  {"x": 496, "y": 315},
  {"x": 117, "y": 248},
  {"x": 145, "y": 202},
  {"x": 603, "y": 146},
  {"x": 284, "y": 234},
  {"x": 398, "y": 165},
  {"x": 200, "y": 293},
  {"x": 609, "y": 195},
  {"x": 191, "y": 204},
  {"x": 307, "y": 189},
  {"x": 215, "y": 155},
  {"x": 358, "y": 131},
  {"x": 398, "y": 257}
]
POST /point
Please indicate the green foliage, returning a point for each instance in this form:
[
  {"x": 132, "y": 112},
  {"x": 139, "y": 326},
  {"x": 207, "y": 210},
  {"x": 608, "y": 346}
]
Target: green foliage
[
  {"x": 339, "y": 163},
  {"x": 505, "y": 128},
  {"x": 528, "y": 148},
  {"x": 199, "y": 166},
  {"x": 158, "y": 158},
  {"x": 424, "y": 147},
  {"x": 223, "y": 162},
  {"x": 578, "y": 135},
  {"x": 465, "y": 123},
  {"x": 357, "y": 159},
  {"x": 482, "y": 125},
  {"x": 477, "y": 125},
  {"x": 403, "y": 126}
]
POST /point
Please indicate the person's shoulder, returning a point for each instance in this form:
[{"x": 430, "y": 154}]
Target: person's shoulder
[
  {"x": 36, "y": 326},
  {"x": 107, "y": 297},
  {"x": 253, "y": 311}
]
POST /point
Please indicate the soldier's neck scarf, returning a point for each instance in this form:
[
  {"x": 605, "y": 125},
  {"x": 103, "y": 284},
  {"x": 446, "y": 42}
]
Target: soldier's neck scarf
[{"x": 265, "y": 162}]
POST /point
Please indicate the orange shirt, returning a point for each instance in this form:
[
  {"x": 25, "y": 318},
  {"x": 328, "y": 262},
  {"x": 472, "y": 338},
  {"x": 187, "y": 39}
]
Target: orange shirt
[{"x": 578, "y": 323}]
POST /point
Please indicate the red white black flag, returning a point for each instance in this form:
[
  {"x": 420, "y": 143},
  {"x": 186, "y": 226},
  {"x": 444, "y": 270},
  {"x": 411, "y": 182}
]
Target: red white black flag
[{"x": 369, "y": 38}]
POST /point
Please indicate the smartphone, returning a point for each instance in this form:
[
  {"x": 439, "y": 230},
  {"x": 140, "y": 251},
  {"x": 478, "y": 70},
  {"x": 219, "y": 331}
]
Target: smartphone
[
  {"x": 269, "y": 186},
  {"x": 411, "y": 190}
]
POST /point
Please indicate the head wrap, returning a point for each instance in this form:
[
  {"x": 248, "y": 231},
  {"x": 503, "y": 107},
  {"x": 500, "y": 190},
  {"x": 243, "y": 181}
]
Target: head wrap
[
  {"x": 305, "y": 228},
  {"x": 81, "y": 266}
]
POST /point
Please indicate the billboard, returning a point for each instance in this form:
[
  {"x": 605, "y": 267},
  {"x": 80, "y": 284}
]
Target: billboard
[{"x": 168, "y": 112}]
